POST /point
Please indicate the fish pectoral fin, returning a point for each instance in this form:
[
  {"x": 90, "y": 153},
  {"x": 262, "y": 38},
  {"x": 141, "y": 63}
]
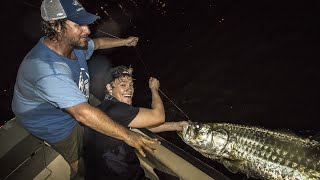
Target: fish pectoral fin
[{"x": 233, "y": 165}]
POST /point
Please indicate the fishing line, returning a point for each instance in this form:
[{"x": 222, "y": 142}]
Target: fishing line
[
  {"x": 31, "y": 5},
  {"x": 107, "y": 13},
  {"x": 146, "y": 70},
  {"x": 125, "y": 14},
  {"x": 123, "y": 11},
  {"x": 135, "y": 4},
  {"x": 136, "y": 50},
  {"x": 140, "y": 58}
]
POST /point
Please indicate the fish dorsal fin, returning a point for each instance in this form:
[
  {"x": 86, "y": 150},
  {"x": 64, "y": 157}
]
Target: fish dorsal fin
[
  {"x": 286, "y": 131},
  {"x": 316, "y": 137},
  {"x": 233, "y": 165}
]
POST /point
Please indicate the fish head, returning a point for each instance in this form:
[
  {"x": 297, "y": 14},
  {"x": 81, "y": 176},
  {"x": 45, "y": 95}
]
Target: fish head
[{"x": 204, "y": 138}]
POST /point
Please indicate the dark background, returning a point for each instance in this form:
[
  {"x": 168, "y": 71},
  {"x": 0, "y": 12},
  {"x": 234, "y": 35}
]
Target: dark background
[{"x": 246, "y": 62}]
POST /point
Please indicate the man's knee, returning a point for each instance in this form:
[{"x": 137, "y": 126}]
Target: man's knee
[
  {"x": 73, "y": 169},
  {"x": 77, "y": 169}
]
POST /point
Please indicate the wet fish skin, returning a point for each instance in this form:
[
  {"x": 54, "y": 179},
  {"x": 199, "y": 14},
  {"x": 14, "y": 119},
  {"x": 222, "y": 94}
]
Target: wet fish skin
[{"x": 255, "y": 151}]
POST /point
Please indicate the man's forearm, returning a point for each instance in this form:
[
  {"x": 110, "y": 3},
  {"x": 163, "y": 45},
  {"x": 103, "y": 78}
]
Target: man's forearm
[
  {"x": 167, "y": 126},
  {"x": 106, "y": 42},
  {"x": 98, "y": 120},
  {"x": 156, "y": 101}
]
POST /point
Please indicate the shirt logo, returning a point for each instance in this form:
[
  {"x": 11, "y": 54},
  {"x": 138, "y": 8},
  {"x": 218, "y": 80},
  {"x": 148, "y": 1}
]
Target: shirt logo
[
  {"x": 76, "y": 3},
  {"x": 60, "y": 14},
  {"x": 84, "y": 82}
]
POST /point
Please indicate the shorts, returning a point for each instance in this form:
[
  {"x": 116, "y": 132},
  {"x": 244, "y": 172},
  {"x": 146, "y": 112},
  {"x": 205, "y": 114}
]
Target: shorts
[{"x": 71, "y": 148}]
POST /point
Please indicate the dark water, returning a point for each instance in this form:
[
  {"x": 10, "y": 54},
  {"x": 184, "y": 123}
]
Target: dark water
[
  {"x": 248, "y": 62},
  {"x": 243, "y": 62}
]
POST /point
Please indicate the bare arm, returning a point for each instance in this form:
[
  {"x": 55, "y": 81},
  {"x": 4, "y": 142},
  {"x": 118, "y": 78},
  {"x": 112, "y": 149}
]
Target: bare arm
[
  {"x": 99, "y": 121},
  {"x": 154, "y": 116},
  {"x": 169, "y": 126},
  {"x": 107, "y": 42}
]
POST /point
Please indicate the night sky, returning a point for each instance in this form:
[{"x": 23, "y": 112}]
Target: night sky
[{"x": 247, "y": 62}]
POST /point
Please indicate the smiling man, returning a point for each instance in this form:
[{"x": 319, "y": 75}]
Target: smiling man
[
  {"x": 52, "y": 84},
  {"x": 109, "y": 158}
]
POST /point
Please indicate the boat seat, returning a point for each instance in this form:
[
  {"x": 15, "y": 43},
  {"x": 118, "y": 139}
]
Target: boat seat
[
  {"x": 29, "y": 155},
  {"x": 22, "y": 155}
]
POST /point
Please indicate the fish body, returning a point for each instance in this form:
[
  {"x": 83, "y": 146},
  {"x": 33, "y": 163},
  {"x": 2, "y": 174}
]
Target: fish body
[{"x": 255, "y": 151}]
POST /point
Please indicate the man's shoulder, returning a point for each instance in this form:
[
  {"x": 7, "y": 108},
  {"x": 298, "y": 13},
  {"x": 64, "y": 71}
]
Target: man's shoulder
[
  {"x": 39, "y": 56},
  {"x": 43, "y": 67},
  {"x": 43, "y": 62}
]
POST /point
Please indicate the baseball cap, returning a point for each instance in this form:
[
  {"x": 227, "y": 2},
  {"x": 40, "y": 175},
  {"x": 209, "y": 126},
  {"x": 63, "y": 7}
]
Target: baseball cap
[
  {"x": 70, "y": 9},
  {"x": 117, "y": 72}
]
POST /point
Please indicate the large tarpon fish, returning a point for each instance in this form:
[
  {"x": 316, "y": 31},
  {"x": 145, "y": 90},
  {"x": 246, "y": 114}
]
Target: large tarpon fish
[{"x": 257, "y": 152}]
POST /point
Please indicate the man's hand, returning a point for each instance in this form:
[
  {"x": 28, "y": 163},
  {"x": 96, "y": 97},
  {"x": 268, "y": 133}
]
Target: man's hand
[
  {"x": 131, "y": 41},
  {"x": 179, "y": 125},
  {"x": 140, "y": 142},
  {"x": 154, "y": 83}
]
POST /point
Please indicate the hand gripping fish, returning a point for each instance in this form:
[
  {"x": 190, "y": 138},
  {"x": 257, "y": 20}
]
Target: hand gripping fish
[{"x": 257, "y": 152}]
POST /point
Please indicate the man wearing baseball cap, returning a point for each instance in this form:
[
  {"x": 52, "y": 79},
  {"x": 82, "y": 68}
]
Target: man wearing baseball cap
[{"x": 52, "y": 86}]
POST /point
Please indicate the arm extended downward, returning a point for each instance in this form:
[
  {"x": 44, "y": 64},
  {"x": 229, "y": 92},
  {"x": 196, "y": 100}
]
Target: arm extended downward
[{"x": 99, "y": 121}]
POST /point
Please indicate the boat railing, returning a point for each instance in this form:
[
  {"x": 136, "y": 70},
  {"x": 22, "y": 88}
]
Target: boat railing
[{"x": 23, "y": 156}]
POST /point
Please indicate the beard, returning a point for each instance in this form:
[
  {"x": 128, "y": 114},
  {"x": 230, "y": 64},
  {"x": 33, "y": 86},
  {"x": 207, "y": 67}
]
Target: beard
[{"x": 78, "y": 43}]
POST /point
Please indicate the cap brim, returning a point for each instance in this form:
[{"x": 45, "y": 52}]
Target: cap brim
[{"x": 83, "y": 18}]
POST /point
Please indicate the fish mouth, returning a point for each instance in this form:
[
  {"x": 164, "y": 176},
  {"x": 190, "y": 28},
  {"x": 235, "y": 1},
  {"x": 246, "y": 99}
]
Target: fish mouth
[
  {"x": 187, "y": 133},
  {"x": 184, "y": 131}
]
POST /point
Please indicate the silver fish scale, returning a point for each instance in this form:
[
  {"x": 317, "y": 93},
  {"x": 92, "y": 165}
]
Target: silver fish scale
[{"x": 261, "y": 153}]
